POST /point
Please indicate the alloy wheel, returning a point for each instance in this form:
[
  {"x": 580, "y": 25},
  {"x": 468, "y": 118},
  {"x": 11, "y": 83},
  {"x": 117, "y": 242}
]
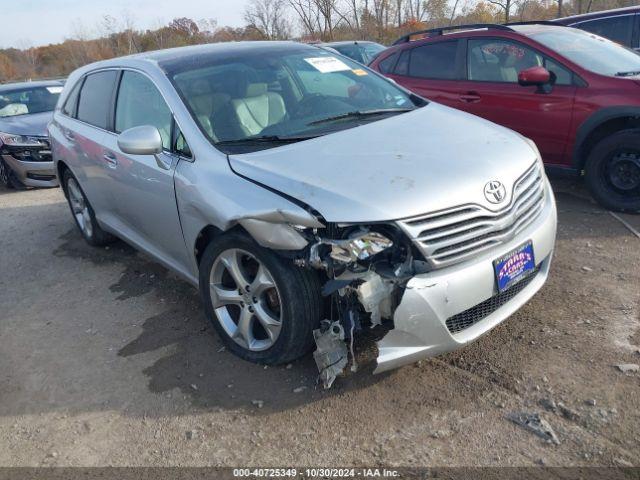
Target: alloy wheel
[
  {"x": 623, "y": 172},
  {"x": 80, "y": 208},
  {"x": 245, "y": 299}
]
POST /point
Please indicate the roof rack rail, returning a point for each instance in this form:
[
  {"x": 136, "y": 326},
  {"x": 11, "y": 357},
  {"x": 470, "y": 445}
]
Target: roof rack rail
[
  {"x": 536, "y": 22},
  {"x": 441, "y": 30}
]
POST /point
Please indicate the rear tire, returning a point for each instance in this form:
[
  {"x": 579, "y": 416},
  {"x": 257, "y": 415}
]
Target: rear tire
[
  {"x": 297, "y": 290},
  {"x": 612, "y": 171},
  {"x": 83, "y": 213}
]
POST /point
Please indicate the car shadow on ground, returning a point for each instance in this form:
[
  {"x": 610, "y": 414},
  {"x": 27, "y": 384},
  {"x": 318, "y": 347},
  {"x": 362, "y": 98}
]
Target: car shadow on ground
[{"x": 198, "y": 365}]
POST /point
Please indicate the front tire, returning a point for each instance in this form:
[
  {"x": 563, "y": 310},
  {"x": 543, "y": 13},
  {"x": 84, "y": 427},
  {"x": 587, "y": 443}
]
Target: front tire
[
  {"x": 612, "y": 171},
  {"x": 83, "y": 213},
  {"x": 263, "y": 307}
]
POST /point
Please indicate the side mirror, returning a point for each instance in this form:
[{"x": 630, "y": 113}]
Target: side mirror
[
  {"x": 538, "y": 76},
  {"x": 143, "y": 140}
]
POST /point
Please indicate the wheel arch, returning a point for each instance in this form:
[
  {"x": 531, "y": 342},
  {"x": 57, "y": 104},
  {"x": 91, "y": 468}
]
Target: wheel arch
[
  {"x": 207, "y": 234},
  {"x": 600, "y": 124},
  {"x": 62, "y": 167}
]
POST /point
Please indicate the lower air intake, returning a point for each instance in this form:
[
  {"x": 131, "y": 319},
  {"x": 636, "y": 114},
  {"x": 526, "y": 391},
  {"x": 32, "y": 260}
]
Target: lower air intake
[{"x": 473, "y": 315}]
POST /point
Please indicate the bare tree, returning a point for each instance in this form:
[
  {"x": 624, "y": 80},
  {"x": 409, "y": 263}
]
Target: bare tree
[
  {"x": 269, "y": 17},
  {"x": 399, "y": 12},
  {"x": 308, "y": 15},
  {"x": 326, "y": 8},
  {"x": 30, "y": 57},
  {"x": 354, "y": 13},
  {"x": 436, "y": 11},
  {"x": 453, "y": 12},
  {"x": 380, "y": 14},
  {"x": 208, "y": 26},
  {"x": 128, "y": 25},
  {"x": 417, "y": 9},
  {"x": 505, "y": 6}
]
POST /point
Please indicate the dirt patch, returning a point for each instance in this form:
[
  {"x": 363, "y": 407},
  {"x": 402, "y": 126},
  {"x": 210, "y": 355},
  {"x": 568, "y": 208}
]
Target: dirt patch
[{"x": 108, "y": 360}]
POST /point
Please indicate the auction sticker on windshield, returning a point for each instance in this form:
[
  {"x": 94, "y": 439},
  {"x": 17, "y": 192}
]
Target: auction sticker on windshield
[
  {"x": 514, "y": 266},
  {"x": 327, "y": 64}
]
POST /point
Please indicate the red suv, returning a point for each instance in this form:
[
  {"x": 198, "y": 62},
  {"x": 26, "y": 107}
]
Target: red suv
[{"x": 575, "y": 94}]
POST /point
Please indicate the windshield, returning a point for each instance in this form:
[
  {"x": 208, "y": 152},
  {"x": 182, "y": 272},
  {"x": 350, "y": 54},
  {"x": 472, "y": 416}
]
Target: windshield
[
  {"x": 257, "y": 101},
  {"x": 361, "y": 52},
  {"x": 590, "y": 51},
  {"x": 29, "y": 100}
]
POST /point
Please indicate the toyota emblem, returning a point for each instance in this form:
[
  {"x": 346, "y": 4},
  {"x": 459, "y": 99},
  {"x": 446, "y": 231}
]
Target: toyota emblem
[{"x": 495, "y": 192}]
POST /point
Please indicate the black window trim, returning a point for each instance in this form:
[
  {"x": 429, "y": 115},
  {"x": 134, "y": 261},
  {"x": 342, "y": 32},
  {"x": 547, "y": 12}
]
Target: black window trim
[
  {"x": 576, "y": 80},
  {"x": 83, "y": 80},
  {"x": 78, "y": 85},
  {"x": 459, "y": 64},
  {"x": 391, "y": 70},
  {"x": 174, "y": 121},
  {"x": 175, "y": 129},
  {"x": 113, "y": 100}
]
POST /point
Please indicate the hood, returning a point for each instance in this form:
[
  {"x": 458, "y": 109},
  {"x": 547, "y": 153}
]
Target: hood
[
  {"x": 30, "y": 124},
  {"x": 426, "y": 160}
]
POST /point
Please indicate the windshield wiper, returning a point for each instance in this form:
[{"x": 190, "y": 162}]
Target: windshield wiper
[
  {"x": 266, "y": 139},
  {"x": 360, "y": 114},
  {"x": 628, "y": 74}
]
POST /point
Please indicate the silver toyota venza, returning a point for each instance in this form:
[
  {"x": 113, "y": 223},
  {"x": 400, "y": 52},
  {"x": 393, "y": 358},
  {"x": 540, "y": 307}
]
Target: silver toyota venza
[{"x": 307, "y": 197}]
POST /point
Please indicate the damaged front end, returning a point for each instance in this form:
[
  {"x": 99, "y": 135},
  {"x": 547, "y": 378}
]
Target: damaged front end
[{"x": 366, "y": 269}]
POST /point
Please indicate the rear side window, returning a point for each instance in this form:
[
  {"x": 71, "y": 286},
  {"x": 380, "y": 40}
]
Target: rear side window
[
  {"x": 436, "y": 61},
  {"x": 387, "y": 64},
  {"x": 402, "y": 68},
  {"x": 140, "y": 103},
  {"x": 619, "y": 29},
  {"x": 351, "y": 51},
  {"x": 71, "y": 103},
  {"x": 95, "y": 98}
]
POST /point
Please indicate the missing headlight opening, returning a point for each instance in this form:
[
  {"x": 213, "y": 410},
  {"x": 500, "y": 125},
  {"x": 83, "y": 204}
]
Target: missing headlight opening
[{"x": 366, "y": 270}]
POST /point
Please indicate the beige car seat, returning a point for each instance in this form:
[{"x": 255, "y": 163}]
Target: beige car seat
[
  {"x": 205, "y": 103},
  {"x": 258, "y": 109}
]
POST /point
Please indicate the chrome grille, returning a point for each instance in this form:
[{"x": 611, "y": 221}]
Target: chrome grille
[{"x": 453, "y": 235}]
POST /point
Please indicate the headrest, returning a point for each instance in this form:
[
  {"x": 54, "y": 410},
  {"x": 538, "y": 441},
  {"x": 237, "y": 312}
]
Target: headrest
[
  {"x": 256, "y": 89},
  {"x": 199, "y": 87}
]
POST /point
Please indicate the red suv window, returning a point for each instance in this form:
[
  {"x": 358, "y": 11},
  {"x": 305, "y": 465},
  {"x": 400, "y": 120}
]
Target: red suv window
[
  {"x": 500, "y": 60},
  {"x": 436, "y": 60}
]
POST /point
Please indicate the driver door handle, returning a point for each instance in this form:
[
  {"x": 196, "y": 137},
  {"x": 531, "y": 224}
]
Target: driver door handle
[
  {"x": 470, "y": 97},
  {"x": 111, "y": 159}
]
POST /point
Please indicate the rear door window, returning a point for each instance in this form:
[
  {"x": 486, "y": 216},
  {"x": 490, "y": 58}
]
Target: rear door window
[
  {"x": 95, "y": 98},
  {"x": 619, "y": 29},
  {"x": 435, "y": 61}
]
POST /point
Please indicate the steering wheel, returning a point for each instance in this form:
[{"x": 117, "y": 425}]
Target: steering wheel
[{"x": 309, "y": 105}]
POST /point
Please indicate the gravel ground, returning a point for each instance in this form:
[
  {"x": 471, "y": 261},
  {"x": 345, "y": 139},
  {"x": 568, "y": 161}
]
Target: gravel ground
[{"x": 106, "y": 359}]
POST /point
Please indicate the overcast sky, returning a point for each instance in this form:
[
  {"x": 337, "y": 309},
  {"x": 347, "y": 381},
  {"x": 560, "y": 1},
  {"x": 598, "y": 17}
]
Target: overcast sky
[{"x": 39, "y": 22}]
